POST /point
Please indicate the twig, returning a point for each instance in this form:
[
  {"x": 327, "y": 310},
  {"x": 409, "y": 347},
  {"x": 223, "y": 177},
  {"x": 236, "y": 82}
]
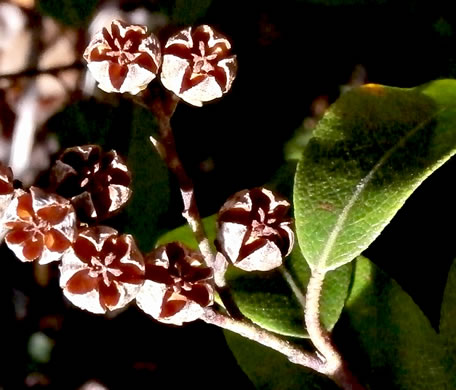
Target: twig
[
  {"x": 262, "y": 336},
  {"x": 335, "y": 367},
  {"x": 163, "y": 108}
]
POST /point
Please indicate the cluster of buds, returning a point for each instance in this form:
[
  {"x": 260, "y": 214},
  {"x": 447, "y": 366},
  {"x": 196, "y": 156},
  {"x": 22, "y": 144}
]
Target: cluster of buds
[
  {"x": 196, "y": 64},
  {"x": 102, "y": 270}
]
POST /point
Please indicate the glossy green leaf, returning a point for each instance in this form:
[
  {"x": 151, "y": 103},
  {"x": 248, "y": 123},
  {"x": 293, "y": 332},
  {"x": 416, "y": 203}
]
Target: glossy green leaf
[
  {"x": 370, "y": 151},
  {"x": 448, "y": 322},
  {"x": 269, "y": 370},
  {"x": 401, "y": 349},
  {"x": 150, "y": 182},
  {"x": 266, "y": 297}
]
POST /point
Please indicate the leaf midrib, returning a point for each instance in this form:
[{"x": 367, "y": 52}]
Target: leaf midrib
[{"x": 360, "y": 187}]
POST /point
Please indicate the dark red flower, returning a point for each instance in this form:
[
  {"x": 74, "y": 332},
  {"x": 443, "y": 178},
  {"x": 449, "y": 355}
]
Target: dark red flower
[
  {"x": 253, "y": 230},
  {"x": 95, "y": 182},
  {"x": 197, "y": 65},
  {"x": 41, "y": 226},
  {"x": 178, "y": 286},
  {"x": 102, "y": 271},
  {"x": 123, "y": 58}
]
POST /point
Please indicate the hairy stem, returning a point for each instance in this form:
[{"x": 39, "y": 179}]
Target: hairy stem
[
  {"x": 163, "y": 109},
  {"x": 253, "y": 332},
  {"x": 335, "y": 367}
]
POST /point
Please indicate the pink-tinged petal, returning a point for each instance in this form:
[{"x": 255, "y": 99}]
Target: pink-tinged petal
[
  {"x": 117, "y": 74},
  {"x": 131, "y": 274},
  {"x": 180, "y": 51},
  {"x": 200, "y": 293},
  {"x": 56, "y": 241},
  {"x": 81, "y": 283},
  {"x": 25, "y": 208},
  {"x": 84, "y": 249},
  {"x": 190, "y": 80},
  {"x": 146, "y": 61},
  {"x": 6, "y": 180},
  {"x": 18, "y": 236},
  {"x": 53, "y": 214},
  {"x": 33, "y": 248},
  {"x": 109, "y": 295},
  {"x": 172, "y": 306}
]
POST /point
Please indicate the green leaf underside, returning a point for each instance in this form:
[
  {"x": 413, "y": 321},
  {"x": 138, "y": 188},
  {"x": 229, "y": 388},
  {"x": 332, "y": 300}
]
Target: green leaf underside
[
  {"x": 401, "y": 350},
  {"x": 269, "y": 370},
  {"x": 266, "y": 298},
  {"x": 448, "y": 322},
  {"x": 371, "y": 150}
]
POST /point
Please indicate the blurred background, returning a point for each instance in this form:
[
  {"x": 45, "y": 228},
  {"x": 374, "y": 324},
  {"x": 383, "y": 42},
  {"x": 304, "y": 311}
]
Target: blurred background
[{"x": 295, "y": 57}]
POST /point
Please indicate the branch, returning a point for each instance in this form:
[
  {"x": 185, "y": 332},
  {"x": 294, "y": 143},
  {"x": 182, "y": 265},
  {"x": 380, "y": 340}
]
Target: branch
[
  {"x": 163, "y": 110},
  {"x": 262, "y": 336}
]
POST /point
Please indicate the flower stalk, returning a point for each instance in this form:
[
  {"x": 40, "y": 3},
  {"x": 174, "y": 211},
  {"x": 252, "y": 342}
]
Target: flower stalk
[
  {"x": 163, "y": 110},
  {"x": 334, "y": 365}
]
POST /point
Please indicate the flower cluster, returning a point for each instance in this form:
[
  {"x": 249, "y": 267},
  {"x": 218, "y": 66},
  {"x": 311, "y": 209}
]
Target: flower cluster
[
  {"x": 102, "y": 270},
  {"x": 197, "y": 64}
]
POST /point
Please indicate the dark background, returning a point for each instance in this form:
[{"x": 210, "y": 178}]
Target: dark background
[{"x": 289, "y": 53}]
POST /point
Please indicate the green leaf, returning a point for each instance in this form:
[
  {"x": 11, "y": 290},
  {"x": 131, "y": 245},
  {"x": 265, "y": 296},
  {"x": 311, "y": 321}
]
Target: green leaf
[
  {"x": 371, "y": 150},
  {"x": 266, "y": 298},
  {"x": 70, "y": 12},
  {"x": 402, "y": 350},
  {"x": 150, "y": 182},
  {"x": 448, "y": 322},
  {"x": 184, "y": 235},
  {"x": 269, "y": 370}
]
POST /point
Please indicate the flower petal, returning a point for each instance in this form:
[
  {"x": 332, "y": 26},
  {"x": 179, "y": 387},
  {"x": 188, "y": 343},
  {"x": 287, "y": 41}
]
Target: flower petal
[
  {"x": 56, "y": 241},
  {"x": 109, "y": 295},
  {"x": 33, "y": 247},
  {"x": 81, "y": 283}
]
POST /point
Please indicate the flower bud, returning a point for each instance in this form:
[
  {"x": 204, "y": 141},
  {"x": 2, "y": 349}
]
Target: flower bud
[
  {"x": 123, "y": 58},
  {"x": 41, "y": 226},
  {"x": 102, "y": 271},
  {"x": 178, "y": 286},
  {"x": 253, "y": 231},
  {"x": 95, "y": 182},
  {"x": 6, "y": 192},
  {"x": 197, "y": 65}
]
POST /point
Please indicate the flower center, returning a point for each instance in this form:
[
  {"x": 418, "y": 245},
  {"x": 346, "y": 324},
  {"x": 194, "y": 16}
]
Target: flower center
[
  {"x": 122, "y": 55},
  {"x": 202, "y": 62},
  {"x": 103, "y": 269}
]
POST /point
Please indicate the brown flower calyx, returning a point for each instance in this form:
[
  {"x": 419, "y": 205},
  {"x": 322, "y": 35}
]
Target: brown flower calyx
[
  {"x": 197, "y": 65},
  {"x": 40, "y": 226},
  {"x": 178, "y": 286},
  {"x": 253, "y": 230},
  {"x": 102, "y": 271},
  {"x": 6, "y": 180},
  {"x": 6, "y": 193},
  {"x": 123, "y": 57},
  {"x": 95, "y": 182}
]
